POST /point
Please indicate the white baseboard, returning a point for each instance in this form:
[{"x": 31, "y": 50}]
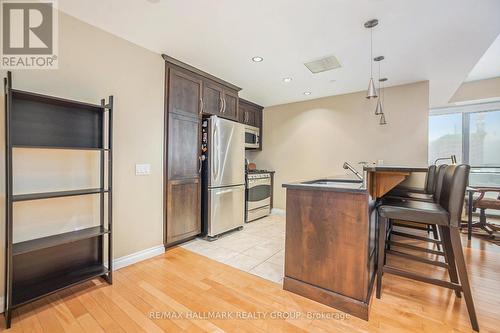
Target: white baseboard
[
  {"x": 137, "y": 256},
  {"x": 278, "y": 211}
]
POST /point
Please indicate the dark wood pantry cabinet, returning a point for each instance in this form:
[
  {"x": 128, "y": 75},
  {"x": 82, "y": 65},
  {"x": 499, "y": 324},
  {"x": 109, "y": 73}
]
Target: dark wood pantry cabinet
[
  {"x": 189, "y": 93},
  {"x": 183, "y": 117}
]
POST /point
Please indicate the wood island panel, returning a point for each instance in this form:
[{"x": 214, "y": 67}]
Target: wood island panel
[{"x": 329, "y": 255}]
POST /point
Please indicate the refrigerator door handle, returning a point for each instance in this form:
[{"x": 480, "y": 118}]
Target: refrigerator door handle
[{"x": 215, "y": 153}]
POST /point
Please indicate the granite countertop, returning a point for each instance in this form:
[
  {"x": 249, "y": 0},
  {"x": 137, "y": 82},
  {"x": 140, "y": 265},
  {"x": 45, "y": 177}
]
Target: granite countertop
[
  {"x": 339, "y": 183},
  {"x": 394, "y": 168},
  {"x": 349, "y": 183}
]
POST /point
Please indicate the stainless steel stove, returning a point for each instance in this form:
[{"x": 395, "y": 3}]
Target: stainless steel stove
[{"x": 258, "y": 194}]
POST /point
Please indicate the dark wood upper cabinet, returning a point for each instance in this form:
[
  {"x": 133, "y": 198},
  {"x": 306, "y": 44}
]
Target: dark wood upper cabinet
[
  {"x": 213, "y": 100},
  {"x": 184, "y": 92},
  {"x": 220, "y": 101},
  {"x": 251, "y": 114},
  {"x": 230, "y": 105}
]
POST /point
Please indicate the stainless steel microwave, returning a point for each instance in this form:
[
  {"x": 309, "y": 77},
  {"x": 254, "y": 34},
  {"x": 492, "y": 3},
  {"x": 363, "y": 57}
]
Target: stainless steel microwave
[{"x": 252, "y": 136}]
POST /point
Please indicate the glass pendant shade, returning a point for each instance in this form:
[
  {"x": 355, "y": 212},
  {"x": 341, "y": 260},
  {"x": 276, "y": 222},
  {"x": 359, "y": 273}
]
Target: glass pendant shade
[
  {"x": 372, "y": 91},
  {"x": 382, "y": 119},
  {"x": 379, "y": 109}
]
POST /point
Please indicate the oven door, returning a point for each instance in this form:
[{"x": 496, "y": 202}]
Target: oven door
[
  {"x": 259, "y": 193},
  {"x": 252, "y": 135}
]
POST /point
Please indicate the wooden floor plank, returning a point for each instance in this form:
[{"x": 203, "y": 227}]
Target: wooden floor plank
[
  {"x": 115, "y": 311},
  {"x": 104, "y": 320},
  {"x": 89, "y": 324},
  {"x": 29, "y": 319},
  {"x": 63, "y": 314}
]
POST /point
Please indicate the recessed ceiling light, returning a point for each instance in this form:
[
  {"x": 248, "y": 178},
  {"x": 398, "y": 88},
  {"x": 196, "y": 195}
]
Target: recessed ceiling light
[
  {"x": 307, "y": 93},
  {"x": 287, "y": 79},
  {"x": 257, "y": 59}
]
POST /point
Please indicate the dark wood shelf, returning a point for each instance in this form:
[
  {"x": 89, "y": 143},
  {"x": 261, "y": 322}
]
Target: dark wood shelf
[
  {"x": 58, "y": 194},
  {"x": 27, "y": 95},
  {"x": 38, "y": 267},
  {"x": 55, "y": 240},
  {"x": 58, "y": 147},
  {"x": 23, "y": 293}
]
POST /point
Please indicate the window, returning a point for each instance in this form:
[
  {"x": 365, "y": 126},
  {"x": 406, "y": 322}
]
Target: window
[
  {"x": 472, "y": 133},
  {"x": 445, "y": 136},
  {"x": 484, "y": 139}
]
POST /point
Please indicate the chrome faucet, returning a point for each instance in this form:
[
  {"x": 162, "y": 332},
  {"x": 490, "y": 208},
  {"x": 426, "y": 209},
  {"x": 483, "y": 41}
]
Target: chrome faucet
[{"x": 347, "y": 166}]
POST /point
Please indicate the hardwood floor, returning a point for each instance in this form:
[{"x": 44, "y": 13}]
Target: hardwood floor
[{"x": 182, "y": 282}]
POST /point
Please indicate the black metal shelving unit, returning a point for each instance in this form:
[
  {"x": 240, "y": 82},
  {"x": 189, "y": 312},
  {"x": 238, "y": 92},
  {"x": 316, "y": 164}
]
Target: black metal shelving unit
[{"x": 41, "y": 266}]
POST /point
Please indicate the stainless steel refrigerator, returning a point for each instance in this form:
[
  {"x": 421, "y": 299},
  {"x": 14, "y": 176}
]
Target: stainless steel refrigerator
[{"x": 223, "y": 181}]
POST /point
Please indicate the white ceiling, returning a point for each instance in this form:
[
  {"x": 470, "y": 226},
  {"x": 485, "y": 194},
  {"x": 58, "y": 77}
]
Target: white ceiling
[
  {"x": 489, "y": 64},
  {"x": 440, "y": 41}
]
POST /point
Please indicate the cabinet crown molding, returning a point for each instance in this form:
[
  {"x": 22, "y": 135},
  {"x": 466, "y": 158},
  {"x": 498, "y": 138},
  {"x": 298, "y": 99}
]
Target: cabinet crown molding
[{"x": 197, "y": 71}]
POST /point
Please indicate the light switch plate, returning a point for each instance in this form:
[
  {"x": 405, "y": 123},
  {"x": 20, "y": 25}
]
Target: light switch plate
[{"x": 142, "y": 169}]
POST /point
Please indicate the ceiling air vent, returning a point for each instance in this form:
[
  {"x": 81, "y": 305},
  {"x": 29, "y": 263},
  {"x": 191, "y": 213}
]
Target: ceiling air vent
[{"x": 323, "y": 64}]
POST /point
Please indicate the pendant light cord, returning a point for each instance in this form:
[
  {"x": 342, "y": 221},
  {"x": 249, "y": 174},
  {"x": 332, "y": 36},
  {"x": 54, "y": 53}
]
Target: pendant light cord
[
  {"x": 379, "y": 83},
  {"x": 383, "y": 92},
  {"x": 371, "y": 53}
]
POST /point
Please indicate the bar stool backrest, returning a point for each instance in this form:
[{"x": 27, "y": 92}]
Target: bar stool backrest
[
  {"x": 430, "y": 179},
  {"x": 453, "y": 191},
  {"x": 439, "y": 181}
]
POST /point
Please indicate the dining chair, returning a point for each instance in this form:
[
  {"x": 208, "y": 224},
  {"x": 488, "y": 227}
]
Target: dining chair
[{"x": 483, "y": 203}]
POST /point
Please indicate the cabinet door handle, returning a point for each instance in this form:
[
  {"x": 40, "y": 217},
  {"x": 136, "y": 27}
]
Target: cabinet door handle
[
  {"x": 221, "y": 110},
  {"x": 224, "y": 103},
  {"x": 246, "y": 117},
  {"x": 201, "y": 105}
]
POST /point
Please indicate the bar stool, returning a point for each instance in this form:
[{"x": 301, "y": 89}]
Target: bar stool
[
  {"x": 415, "y": 193},
  {"x": 447, "y": 216},
  {"x": 433, "y": 196}
]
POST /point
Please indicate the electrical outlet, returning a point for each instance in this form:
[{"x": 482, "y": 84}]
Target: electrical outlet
[{"x": 142, "y": 169}]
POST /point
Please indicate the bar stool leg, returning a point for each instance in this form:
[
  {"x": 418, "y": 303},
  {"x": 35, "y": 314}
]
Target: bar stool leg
[
  {"x": 388, "y": 233},
  {"x": 435, "y": 235},
  {"x": 382, "y": 231},
  {"x": 462, "y": 273},
  {"x": 450, "y": 258}
]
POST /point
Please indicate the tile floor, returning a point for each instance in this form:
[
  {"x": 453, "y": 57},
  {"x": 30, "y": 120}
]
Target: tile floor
[{"x": 258, "y": 249}]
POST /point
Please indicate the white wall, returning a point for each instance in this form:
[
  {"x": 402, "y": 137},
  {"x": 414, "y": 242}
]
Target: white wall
[
  {"x": 92, "y": 65},
  {"x": 309, "y": 140}
]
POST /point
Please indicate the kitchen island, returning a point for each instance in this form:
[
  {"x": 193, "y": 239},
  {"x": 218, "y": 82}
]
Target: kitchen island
[{"x": 331, "y": 231}]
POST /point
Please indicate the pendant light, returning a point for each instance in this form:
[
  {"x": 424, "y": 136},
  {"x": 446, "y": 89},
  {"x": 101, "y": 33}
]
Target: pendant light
[
  {"x": 372, "y": 91},
  {"x": 382, "y": 119},
  {"x": 382, "y": 100},
  {"x": 379, "y": 108}
]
